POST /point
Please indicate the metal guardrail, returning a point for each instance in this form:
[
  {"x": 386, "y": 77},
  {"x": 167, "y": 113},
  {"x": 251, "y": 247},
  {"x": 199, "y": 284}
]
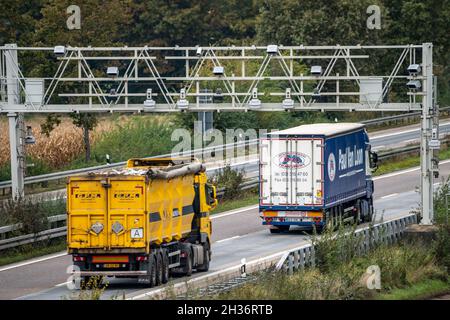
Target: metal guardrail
[
  {"x": 385, "y": 232},
  {"x": 405, "y": 150},
  {"x": 403, "y": 116},
  {"x": 64, "y": 174}
]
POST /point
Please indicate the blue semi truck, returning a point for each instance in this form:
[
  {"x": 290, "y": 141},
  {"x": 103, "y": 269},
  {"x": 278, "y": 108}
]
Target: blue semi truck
[{"x": 316, "y": 175}]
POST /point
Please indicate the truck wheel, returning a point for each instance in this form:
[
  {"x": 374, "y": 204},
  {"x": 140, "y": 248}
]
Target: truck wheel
[
  {"x": 206, "y": 256},
  {"x": 369, "y": 217},
  {"x": 159, "y": 269},
  {"x": 189, "y": 263},
  {"x": 359, "y": 212},
  {"x": 152, "y": 271},
  {"x": 165, "y": 266},
  {"x": 274, "y": 230},
  {"x": 330, "y": 219}
]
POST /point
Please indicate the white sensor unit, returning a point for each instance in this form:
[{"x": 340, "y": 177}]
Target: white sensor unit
[
  {"x": 288, "y": 103},
  {"x": 272, "y": 48},
  {"x": 112, "y": 71},
  {"x": 316, "y": 70},
  {"x": 254, "y": 103},
  {"x": 149, "y": 103},
  {"x": 218, "y": 71},
  {"x": 59, "y": 50},
  {"x": 414, "y": 69},
  {"x": 182, "y": 103}
]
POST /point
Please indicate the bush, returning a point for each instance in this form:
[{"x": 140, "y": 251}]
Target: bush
[{"x": 231, "y": 180}]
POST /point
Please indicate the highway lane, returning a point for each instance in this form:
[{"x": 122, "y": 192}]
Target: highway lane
[
  {"x": 401, "y": 136},
  {"x": 242, "y": 229}
]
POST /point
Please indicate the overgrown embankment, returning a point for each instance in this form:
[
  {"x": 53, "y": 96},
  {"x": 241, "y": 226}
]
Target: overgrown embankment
[{"x": 407, "y": 270}]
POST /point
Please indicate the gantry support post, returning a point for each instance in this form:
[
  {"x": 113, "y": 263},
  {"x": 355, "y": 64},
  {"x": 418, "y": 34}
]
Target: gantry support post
[
  {"x": 16, "y": 130},
  {"x": 427, "y": 126}
]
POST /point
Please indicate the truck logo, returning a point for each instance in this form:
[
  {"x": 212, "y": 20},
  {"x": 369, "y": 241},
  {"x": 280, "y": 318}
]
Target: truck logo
[
  {"x": 294, "y": 160},
  {"x": 125, "y": 195},
  {"x": 331, "y": 166}
]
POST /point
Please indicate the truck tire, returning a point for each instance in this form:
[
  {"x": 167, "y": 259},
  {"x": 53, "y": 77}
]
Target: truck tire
[
  {"x": 206, "y": 258},
  {"x": 333, "y": 218},
  {"x": 188, "y": 268},
  {"x": 369, "y": 217},
  {"x": 159, "y": 269},
  {"x": 151, "y": 277},
  {"x": 359, "y": 216},
  {"x": 165, "y": 266},
  {"x": 279, "y": 229}
]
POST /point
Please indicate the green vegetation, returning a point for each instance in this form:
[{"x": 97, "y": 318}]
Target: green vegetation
[
  {"x": 246, "y": 198},
  {"x": 140, "y": 137},
  {"x": 31, "y": 213},
  {"x": 421, "y": 290},
  {"x": 407, "y": 271}
]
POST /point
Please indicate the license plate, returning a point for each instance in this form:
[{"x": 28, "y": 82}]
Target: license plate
[
  {"x": 111, "y": 265},
  {"x": 293, "y": 219}
]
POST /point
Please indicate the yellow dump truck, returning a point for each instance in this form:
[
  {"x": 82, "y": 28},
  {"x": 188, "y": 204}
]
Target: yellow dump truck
[{"x": 147, "y": 220}]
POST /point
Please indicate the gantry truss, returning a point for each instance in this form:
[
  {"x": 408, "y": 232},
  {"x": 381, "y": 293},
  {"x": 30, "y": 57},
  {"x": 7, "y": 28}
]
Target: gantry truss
[
  {"x": 260, "y": 78},
  {"x": 263, "y": 78}
]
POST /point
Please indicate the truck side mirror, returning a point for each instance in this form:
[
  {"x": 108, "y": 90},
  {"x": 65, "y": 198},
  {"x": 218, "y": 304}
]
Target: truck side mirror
[
  {"x": 373, "y": 158},
  {"x": 211, "y": 195}
]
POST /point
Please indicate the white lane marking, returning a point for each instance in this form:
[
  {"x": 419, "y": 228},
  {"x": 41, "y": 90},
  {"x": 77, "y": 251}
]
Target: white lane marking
[
  {"x": 397, "y": 173},
  {"x": 389, "y": 195},
  {"x": 34, "y": 261},
  {"x": 227, "y": 239},
  {"x": 62, "y": 284},
  {"x": 229, "y": 213}
]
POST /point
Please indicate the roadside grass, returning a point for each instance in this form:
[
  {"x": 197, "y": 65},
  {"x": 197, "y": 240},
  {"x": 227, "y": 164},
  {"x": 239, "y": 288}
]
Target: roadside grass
[
  {"x": 422, "y": 290},
  {"x": 407, "y": 271},
  {"x": 247, "y": 198},
  {"x": 26, "y": 252}
]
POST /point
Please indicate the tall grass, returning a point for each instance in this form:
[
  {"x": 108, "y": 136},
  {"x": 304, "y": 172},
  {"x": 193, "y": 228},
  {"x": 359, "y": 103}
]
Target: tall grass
[
  {"x": 138, "y": 137},
  {"x": 401, "y": 266}
]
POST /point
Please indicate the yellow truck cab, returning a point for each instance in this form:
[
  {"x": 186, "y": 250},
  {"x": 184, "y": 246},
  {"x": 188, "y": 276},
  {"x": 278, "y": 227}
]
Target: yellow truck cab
[{"x": 147, "y": 220}]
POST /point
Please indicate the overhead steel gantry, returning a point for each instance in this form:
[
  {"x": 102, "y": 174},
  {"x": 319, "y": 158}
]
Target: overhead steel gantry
[{"x": 236, "y": 78}]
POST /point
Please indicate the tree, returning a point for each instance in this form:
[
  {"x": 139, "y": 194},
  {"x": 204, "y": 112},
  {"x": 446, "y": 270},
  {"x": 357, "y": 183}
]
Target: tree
[
  {"x": 87, "y": 122},
  {"x": 103, "y": 23},
  {"x": 18, "y": 20}
]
